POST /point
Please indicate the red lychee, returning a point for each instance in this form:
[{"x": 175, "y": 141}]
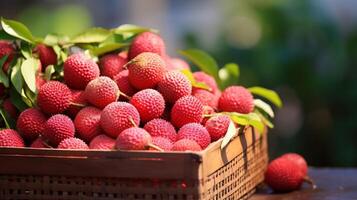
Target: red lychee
[
  {"x": 146, "y": 70},
  {"x": 176, "y": 64},
  {"x": 72, "y": 143},
  {"x": 298, "y": 160},
  {"x": 46, "y": 54},
  {"x": 149, "y": 103},
  {"x": 236, "y": 99},
  {"x": 6, "y": 49},
  {"x": 10, "y": 138},
  {"x": 161, "y": 128},
  {"x": 102, "y": 142},
  {"x": 38, "y": 143},
  {"x": 163, "y": 143},
  {"x": 217, "y": 126},
  {"x": 10, "y": 108},
  {"x": 101, "y": 91},
  {"x": 147, "y": 42},
  {"x": 207, "y": 79},
  {"x": 207, "y": 98},
  {"x": 133, "y": 139},
  {"x": 111, "y": 64},
  {"x": 124, "y": 85},
  {"x": 57, "y": 128},
  {"x": 87, "y": 123},
  {"x": 77, "y": 103},
  {"x": 79, "y": 70},
  {"x": 117, "y": 117},
  {"x": 31, "y": 123},
  {"x": 54, "y": 97},
  {"x": 187, "y": 109},
  {"x": 174, "y": 85},
  {"x": 186, "y": 145},
  {"x": 196, "y": 132}
]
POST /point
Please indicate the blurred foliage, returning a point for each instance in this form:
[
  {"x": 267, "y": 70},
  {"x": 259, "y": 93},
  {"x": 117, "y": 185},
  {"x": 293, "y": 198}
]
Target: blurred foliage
[{"x": 294, "y": 47}]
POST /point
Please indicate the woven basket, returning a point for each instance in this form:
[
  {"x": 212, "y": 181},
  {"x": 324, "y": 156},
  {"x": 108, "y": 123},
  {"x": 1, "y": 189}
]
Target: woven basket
[{"x": 214, "y": 174}]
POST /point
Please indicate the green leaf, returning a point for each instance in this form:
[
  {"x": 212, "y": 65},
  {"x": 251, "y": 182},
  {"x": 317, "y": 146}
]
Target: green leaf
[
  {"x": 50, "y": 69},
  {"x": 265, "y": 119},
  {"x": 194, "y": 83},
  {"x": 247, "y": 119},
  {"x": 92, "y": 35},
  {"x": 16, "y": 99},
  {"x": 229, "y": 74},
  {"x": 5, "y": 36},
  {"x": 26, "y": 49},
  {"x": 129, "y": 30},
  {"x": 18, "y": 30},
  {"x": 51, "y": 40},
  {"x": 9, "y": 122},
  {"x": 270, "y": 95},
  {"x": 16, "y": 77},
  {"x": 203, "y": 60},
  {"x": 232, "y": 131},
  {"x": 61, "y": 55},
  {"x": 264, "y": 106},
  {"x": 107, "y": 47},
  {"x": 3, "y": 77},
  {"x": 29, "y": 69}
]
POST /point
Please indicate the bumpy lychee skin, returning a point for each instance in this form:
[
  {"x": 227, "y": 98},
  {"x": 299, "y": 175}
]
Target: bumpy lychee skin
[
  {"x": 147, "y": 42},
  {"x": 161, "y": 128},
  {"x": 207, "y": 98},
  {"x": 236, "y": 99},
  {"x": 217, "y": 126},
  {"x": 102, "y": 142},
  {"x": 47, "y": 55},
  {"x": 54, "y": 97},
  {"x": 149, "y": 103},
  {"x": 6, "y": 49},
  {"x": 196, "y": 132},
  {"x": 186, "y": 145},
  {"x": 174, "y": 85},
  {"x": 111, "y": 64},
  {"x": 101, "y": 91},
  {"x": 87, "y": 123},
  {"x": 177, "y": 64},
  {"x": 133, "y": 139},
  {"x": 117, "y": 117},
  {"x": 146, "y": 70},
  {"x": 122, "y": 80},
  {"x": 207, "y": 79},
  {"x": 186, "y": 110},
  {"x": 78, "y": 102},
  {"x": 57, "y": 128},
  {"x": 72, "y": 143},
  {"x": 10, "y": 108},
  {"x": 10, "y": 138},
  {"x": 298, "y": 160},
  {"x": 38, "y": 143},
  {"x": 79, "y": 70},
  {"x": 164, "y": 143},
  {"x": 283, "y": 175},
  {"x": 31, "y": 123}
]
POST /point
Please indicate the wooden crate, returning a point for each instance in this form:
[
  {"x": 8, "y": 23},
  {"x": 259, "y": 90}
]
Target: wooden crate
[{"x": 213, "y": 174}]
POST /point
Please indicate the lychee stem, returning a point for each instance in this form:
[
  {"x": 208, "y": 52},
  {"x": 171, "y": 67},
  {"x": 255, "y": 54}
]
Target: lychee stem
[
  {"x": 77, "y": 104},
  {"x": 310, "y": 181},
  {"x": 124, "y": 95},
  {"x": 132, "y": 122},
  {"x": 128, "y": 63},
  {"x": 155, "y": 147}
]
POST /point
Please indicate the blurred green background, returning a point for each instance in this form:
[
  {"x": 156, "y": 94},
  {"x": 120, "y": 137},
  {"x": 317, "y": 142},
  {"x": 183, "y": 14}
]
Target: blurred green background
[{"x": 306, "y": 50}]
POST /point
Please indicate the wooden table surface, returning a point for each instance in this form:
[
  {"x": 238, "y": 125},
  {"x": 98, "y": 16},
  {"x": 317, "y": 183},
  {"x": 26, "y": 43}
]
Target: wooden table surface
[{"x": 332, "y": 183}]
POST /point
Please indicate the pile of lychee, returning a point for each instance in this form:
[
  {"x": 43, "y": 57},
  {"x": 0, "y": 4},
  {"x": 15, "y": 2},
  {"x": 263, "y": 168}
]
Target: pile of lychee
[{"x": 137, "y": 99}]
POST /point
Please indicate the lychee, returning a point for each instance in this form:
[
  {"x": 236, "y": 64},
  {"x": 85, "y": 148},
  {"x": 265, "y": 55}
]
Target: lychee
[
  {"x": 207, "y": 79},
  {"x": 133, "y": 139},
  {"x": 162, "y": 142},
  {"x": 187, "y": 109},
  {"x": 102, "y": 142},
  {"x": 39, "y": 143},
  {"x": 298, "y": 160},
  {"x": 149, "y": 103},
  {"x": 87, "y": 123},
  {"x": 79, "y": 70},
  {"x": 117, "y": 117},
  {"x": 147, "y": 42},
  {"x": 217, "y": 126},
  {"x": 54, "y": 97},
  {"x": 161, "y": 128},
  {"x": 111, "y": 64},
  {"x": 101, "y": 91},
  {"x": 177, "y": 64},
  {"x": 236, "y": 99},
  {"x": 174, "y": 85},
  {"x": 72, "y": 143},
  {"x": 208, "y": 111},
  {"x": 31, "y": 123},
  {"x": 46, "y": 54},
  {"x": 186, "y": 145},
  {"x": 6, "y": 49},
  {"x": 124, "y": 85},
  {"x": 207, "y": 98},
  {"x": 57, "y": 128},
  {"x": 196, "y": 132},
  {"x": 10, "y": 108},
  {"x": 146, "y": 70},
  {"x": 283, "y": 175},
  {"x": 10, "y": 138},
  {"x": 77, "y": 103}
]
